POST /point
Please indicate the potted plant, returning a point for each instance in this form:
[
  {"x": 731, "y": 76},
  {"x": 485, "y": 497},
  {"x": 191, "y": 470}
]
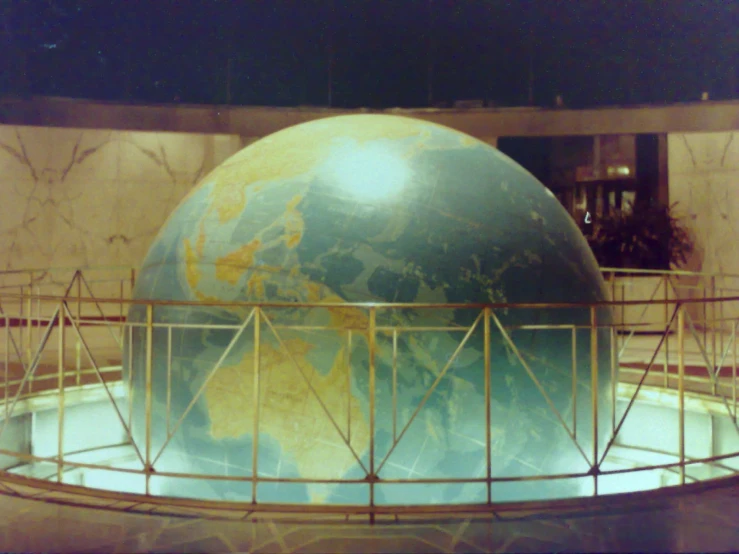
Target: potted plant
[{"x": 644, "y": 236}]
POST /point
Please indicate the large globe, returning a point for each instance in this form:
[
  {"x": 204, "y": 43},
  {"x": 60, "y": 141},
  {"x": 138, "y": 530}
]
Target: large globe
[{"x": 403, "y": 216}]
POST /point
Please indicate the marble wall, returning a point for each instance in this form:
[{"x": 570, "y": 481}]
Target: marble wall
[
  {"x": 78, "y": 198},
  {"x": 703, "y": 173}
]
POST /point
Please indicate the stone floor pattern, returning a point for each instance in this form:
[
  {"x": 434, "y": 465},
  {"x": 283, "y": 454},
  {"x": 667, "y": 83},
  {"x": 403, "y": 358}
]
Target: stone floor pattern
[{"x": 701, "y": 517}]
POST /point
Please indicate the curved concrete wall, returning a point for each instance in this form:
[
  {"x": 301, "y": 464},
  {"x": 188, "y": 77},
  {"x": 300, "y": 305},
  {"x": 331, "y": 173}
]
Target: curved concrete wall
[{"x": 480, "y": 123}]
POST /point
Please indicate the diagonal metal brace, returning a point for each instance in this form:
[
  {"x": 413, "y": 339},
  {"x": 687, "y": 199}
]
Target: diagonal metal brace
[
  {"x": 207, "y": 380},
  {"x": 538, "y": 384}
]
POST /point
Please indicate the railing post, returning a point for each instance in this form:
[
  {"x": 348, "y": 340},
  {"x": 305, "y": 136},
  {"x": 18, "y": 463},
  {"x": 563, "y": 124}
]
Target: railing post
[
  {"x": 594, "y": 391},
  {"x": 574, "y": 382},
  {"x": 371, "y": 341},
  {"x": 169, "y": 377},
  {"x": 713, "y": 327},
  {"x": 6, "y": 365},
  {"x": 349, "y": 388},
  {"x": 616, "y": 308},
  {"x": 78, "y": 361},
  {"x": 705, "y": 316},
  {"x": 131, "y": 365},
  {"x": 488, "y": 402},
  {"x": 255, "y": 401},
  {"x": 78, "y": 345},
  {"x": 38, "y": 311},
  {"x": 121, "y": 314},
  {"x": 733, "y": 368},
  {"x": 395, "y": 385},
  {"x": 625, "y": 335},
  {"x": 147, "y": 401},
  {"x": 21, "y": 342},
  {"x": 614, "y": 377},
  {"x": 29, "y": 326},
  {"x": 681, "y": 386},
  {"x": 721, "y": 292},
  {"x": 666, "y": 366},
  {"x": 61, "y": 321},
  {"x": 79, "y": 295}
]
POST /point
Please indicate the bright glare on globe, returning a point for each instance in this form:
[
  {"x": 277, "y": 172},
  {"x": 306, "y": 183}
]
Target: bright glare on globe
[
  {"x": 369, "y": 172},
  {"x": 368, "y": 208}
]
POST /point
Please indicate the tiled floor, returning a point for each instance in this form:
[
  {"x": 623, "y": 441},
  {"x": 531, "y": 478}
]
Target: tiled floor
[{"x": 699, "y": 517}]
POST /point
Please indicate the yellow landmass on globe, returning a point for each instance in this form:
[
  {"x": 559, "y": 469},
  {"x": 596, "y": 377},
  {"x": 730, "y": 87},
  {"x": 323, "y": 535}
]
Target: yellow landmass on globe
[
  {"x": 231, "y": 267},
  {"x": 341, "y": 318},
  {"x": 192, "y": 270},
  {"x": 294, "y": 224},
  {"x": 229, "y": 202},
  {"x": 206, "y": 297},
  {"x": 290, "y": 412},
  {"x": 255, "y": 286},
  {"x": 193, "y": 256},
  {"x": 193, "y": 274}
]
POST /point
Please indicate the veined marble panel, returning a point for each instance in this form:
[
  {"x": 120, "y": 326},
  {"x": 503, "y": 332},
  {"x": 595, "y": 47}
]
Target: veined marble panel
[
  {"x": 704, "y": 180},
  {"x": 73, "y": 198},
  {"x": 91, "y": 197}
]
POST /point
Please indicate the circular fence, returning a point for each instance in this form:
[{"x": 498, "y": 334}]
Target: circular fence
[{"x": 78, "y": 418}]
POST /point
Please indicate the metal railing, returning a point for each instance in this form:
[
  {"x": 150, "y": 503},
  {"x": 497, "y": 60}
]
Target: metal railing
[{"x": 65, "y": 329}]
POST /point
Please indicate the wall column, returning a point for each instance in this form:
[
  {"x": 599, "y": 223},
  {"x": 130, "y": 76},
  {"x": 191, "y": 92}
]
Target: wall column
[{"x": 663, "y": 175}]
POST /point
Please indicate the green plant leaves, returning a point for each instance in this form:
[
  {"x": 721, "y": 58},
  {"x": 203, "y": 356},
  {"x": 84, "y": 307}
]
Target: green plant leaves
[{"x": 643, "y": 236}]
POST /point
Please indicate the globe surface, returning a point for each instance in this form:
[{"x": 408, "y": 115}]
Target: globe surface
[{"x": 372, "y": 209}]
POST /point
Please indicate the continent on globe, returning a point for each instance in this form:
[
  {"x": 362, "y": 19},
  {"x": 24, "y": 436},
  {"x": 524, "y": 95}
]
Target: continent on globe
[{"x": 353, "y": 215}]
